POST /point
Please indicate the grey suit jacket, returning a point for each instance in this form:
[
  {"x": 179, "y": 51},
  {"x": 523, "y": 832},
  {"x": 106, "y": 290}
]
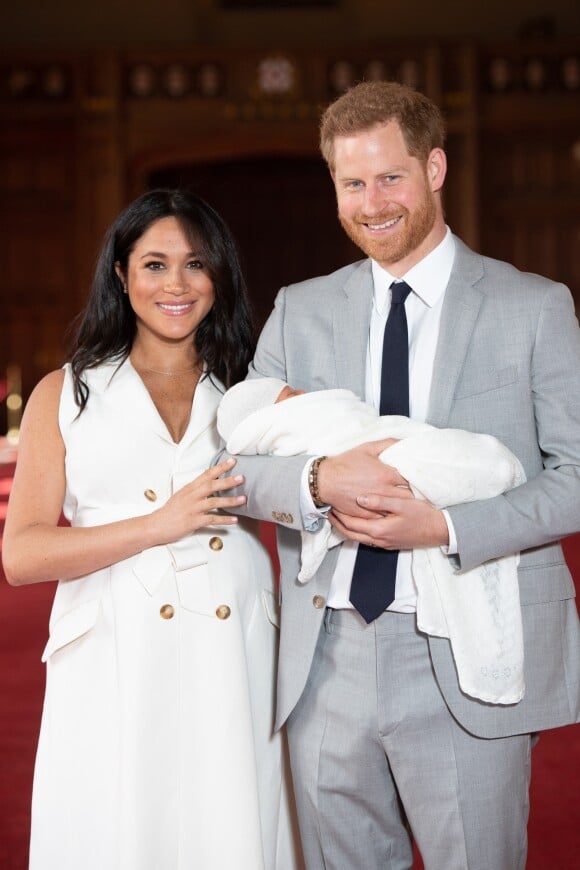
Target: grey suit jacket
[{"x": 507, "y": 364}]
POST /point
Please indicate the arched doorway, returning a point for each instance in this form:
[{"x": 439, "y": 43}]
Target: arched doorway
[{"x": 282, "y": 212}]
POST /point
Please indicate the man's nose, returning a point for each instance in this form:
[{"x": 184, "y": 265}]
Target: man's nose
[{"x": 374, "y": 200}]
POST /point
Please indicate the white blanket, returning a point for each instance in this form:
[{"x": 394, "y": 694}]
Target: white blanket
[{"x": 478, "y": 610}]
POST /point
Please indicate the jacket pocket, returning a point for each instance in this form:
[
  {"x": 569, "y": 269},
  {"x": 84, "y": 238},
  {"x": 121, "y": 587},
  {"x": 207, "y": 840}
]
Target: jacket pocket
[
  {"x": 486, "y": 379},
  {"x": 544, "y": 583},
  {"x": 72, "y": 625}
]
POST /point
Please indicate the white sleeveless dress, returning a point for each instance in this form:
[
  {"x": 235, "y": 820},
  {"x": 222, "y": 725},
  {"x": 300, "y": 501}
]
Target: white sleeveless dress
[{"x": 156, "y": 749}]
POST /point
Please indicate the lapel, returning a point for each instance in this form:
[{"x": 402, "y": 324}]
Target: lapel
[
  {"x": 351, "y": 319},
  {"x": 208, "y": 394},
  {"x": 132, "y": 398},
  {"x": 460, "y": 311}
]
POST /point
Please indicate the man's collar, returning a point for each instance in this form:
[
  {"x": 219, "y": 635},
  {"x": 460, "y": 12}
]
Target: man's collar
[{"x": 428, "y": 278}]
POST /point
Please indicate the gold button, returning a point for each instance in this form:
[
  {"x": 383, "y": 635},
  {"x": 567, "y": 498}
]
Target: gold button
[
  {"x": 216, "y": 543},
  {"x": 167, "y": 611},
  {"x": 223, "y": 612},
  {"x": 150, "y": 495},
  {"x": 318, "y": 602}
]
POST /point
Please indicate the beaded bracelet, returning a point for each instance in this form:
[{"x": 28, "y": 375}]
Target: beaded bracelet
[{"x": 313, "y": 482}]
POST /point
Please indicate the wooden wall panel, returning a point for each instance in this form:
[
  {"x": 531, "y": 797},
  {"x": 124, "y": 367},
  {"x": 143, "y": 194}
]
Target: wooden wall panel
[
  {"x": 531, "y": 201},
  {"x": 81, "y": 135},
  {"x": 37, "y": 245}
]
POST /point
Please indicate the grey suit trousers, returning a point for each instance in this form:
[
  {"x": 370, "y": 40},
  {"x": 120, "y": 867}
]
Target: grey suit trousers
[{"x": 372, "y": 733}]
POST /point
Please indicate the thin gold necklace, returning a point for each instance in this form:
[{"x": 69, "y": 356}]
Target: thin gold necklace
[{"x": 168, "y": 373}]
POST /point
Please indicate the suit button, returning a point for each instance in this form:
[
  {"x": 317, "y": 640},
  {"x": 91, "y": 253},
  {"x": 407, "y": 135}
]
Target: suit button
[
  {"x": 216, "y": 543},
  {"x": 281, "y": 517},
  {"x": 150, "y": 495},
  {"x": 167, "y": 611},
  {"x": 223, "y": 612},
  {"x": 318, "y": 602}
]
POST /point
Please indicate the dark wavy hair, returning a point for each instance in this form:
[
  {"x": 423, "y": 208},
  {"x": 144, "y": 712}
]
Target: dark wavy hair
[{"x": 105, "y": 330}]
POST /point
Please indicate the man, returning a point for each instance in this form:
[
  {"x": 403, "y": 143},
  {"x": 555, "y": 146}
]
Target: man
[{"x": 382, "y": 739}]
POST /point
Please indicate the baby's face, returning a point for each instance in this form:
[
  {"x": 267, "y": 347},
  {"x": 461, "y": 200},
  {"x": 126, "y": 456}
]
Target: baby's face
[{"x": 288, "y": 393}]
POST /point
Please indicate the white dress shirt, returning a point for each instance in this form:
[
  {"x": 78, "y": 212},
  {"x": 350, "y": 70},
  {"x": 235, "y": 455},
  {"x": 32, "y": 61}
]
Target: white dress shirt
[{"x": 428, "y": 280}]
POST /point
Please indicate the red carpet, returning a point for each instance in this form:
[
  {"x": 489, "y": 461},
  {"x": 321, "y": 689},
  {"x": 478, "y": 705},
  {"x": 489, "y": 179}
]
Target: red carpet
[{"x": 554, "y": 830}]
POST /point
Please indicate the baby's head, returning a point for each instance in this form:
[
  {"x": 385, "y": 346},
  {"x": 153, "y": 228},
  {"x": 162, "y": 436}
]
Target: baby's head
[
  {"x": 246, "y": 397},
  {"x": 288, "y": 393}
]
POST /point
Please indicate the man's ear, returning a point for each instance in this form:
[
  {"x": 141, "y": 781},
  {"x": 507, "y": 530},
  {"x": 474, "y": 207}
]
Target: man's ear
[{"x": 436, "y": 168}]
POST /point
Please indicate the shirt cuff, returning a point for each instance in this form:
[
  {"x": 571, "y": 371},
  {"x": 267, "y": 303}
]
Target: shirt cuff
[
  {"x": 451, "y": 548},
  {"x": 312, "y": 516}
]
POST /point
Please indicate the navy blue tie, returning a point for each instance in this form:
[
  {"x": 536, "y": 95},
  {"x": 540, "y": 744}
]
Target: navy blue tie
[{"x": 373, "y": 579}]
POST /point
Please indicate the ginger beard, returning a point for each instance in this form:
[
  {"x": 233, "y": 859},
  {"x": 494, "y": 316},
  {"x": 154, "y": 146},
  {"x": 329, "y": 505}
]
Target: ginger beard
[{"x": 394, "y": 246}]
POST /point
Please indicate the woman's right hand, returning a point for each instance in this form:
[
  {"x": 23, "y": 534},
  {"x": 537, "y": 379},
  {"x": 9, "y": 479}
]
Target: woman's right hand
[{"x": 194, "y": 506}]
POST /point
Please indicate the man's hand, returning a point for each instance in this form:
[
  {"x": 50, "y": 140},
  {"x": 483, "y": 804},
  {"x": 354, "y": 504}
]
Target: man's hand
[
  {"x": 344, "y": 477},
  {"x": 399, "y": 523}
]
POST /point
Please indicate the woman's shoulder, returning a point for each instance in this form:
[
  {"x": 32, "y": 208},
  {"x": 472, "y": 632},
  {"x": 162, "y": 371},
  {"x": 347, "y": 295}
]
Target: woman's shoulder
[
  {"x": 49, "y": 388},
  {"x": 41, "y": 410}
]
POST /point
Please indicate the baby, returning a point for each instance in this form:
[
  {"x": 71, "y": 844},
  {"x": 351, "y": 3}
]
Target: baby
[{"x": 478, "y": 610}]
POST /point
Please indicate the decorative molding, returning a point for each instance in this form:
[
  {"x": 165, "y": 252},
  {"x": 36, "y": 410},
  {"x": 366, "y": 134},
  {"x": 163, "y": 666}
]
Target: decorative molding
[
  {"x": 531, "y": 71},
  {"x": 296, "y": 78},
  {"x": 51, "y": 82},
  {"x": 276, "y": 4}
]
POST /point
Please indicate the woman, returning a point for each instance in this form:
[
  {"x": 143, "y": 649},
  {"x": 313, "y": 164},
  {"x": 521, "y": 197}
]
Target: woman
[{"x": 156, "y": 746}]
